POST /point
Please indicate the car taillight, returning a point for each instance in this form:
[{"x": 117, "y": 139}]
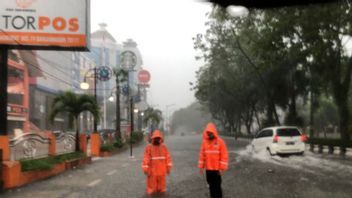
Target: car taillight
[
  {"x": 276, "y": 139},
  {"x": 304, "y": 138}
]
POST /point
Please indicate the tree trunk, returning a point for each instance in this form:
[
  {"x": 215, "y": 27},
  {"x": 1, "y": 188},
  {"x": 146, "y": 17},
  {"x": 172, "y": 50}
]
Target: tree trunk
[
  {"x": 77, "y": 134},
  {"x": 293, "y": 109},
  {"x": 269, "y": 115},
  {"x": 118, "y": 111},
  {"x": 236, "y": 130},
  {"x": 275, "y": 115},
  {"x": 344, "y": 120},
  {"x": 258, "y": 120},
  {"x": 311, "y": 115},
  {"x": 255, "y": 113}
]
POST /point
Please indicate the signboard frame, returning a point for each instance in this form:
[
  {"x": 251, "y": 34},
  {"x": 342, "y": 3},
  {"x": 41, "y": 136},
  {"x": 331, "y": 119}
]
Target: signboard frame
[{"x": 56, "y": 47}]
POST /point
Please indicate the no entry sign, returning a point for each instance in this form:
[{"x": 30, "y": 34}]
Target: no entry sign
[{"x": 143, "y": 76}]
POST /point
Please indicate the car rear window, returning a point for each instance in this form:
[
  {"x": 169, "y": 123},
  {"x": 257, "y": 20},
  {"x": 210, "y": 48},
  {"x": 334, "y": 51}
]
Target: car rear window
[{"x": 288, "y": 132}]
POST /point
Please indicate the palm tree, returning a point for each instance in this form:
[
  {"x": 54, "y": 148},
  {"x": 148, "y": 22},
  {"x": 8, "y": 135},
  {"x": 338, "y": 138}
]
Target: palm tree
[
  {"x": 121, "y": 76},
  {"x": 74, "y": 104},
  {"x": 152, "y": 116}
]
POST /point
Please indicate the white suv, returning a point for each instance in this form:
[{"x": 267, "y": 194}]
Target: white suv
[{"x": 280, "y": 140}]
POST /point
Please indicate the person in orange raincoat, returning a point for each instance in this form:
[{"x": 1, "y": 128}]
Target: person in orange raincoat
[
  {"x": 156, "y": 164},
  {"x": 213, "y": 157}
]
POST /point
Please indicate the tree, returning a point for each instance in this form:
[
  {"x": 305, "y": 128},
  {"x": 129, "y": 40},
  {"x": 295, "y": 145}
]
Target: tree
[
  {"x": 273, "y": 58},
  {"x": 153, "y": 117},
  {"x": 121, "y": 76},
  {"x": 192, "y": 118},
  {"x": 326, "y": 41},
  {"x": 73, "y": 104}
]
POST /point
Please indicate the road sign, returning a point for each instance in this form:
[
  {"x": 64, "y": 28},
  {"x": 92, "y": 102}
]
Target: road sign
[
  {"x": 136, "y": 99},
  {"x": 143, "y": 76},
  {"x": 125, "y": 90},
  {"x": 104, "y": 73}
]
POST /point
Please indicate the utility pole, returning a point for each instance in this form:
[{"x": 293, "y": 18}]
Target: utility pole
[{"x": 3, "y": 89}]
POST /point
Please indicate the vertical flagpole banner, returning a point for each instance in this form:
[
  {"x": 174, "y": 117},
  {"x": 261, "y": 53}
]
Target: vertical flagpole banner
[{"x": 45, "y": 24}]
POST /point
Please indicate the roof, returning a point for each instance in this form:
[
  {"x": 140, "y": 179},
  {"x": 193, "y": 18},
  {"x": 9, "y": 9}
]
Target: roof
[
  {"x": 279, "y": 127},
  {"x": 103, "y": 33},
  {"x": 100, "y": 34}
]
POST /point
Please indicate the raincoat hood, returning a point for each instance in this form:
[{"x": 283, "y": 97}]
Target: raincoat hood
[
  {"x": 210, "y": 128},
  {"x": 157, "y": 134}
]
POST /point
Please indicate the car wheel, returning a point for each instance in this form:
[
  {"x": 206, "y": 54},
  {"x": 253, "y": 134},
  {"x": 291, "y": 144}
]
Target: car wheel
[{"x": 301, "y": 153}]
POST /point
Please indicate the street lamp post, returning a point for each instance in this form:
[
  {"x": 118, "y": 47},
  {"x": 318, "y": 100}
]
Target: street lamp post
[
  {"x": 129, "y": 61},
  {"x": 102, "y": 73},
  {"x": 84, "y": 85}
]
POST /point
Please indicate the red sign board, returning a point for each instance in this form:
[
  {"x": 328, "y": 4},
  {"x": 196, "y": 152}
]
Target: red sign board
[{"x": 143, "y": 76}]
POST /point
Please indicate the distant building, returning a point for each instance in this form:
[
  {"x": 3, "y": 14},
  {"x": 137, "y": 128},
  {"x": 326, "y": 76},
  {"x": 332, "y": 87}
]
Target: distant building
[
  {"x": 105, "y": 51},
  {"x": 38, "y": 76}
]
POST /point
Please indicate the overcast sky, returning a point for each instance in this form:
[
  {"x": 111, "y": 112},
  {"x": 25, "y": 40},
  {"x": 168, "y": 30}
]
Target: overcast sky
[{"x": 163, "y": 30}]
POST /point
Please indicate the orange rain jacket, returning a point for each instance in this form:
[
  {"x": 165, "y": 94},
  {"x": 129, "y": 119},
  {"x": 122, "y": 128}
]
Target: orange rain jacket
[
  {"x": 157, "y": 159},
  {"x": 213, "y": 153}
]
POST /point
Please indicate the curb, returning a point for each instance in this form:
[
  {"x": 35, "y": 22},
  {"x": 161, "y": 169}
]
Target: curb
[{"x": 325, "y": 150}]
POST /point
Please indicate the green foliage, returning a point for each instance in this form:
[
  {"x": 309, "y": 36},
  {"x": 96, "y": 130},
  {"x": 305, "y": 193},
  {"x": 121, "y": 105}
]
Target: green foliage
[
  {"x": 270, "y": 59},
  {"x": 118, "y": 143},
  {"x": 69, "y": 156},
  {"x": 107, "y": 147},
  {"x": 74, "y": 104},
  {"x": 189, "y": 119},
  {"x": 49, "y": 162},
  {"x": 152, "y": 116},
  {"x": 37, "y": 164},
  {"x": 135, "y": 138}
]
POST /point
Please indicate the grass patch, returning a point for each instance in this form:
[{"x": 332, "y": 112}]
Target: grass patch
[
  {"x": 49, "y": 162},
  {"x": 107, "y": 147},
  {"x": 70, "y": 156}
]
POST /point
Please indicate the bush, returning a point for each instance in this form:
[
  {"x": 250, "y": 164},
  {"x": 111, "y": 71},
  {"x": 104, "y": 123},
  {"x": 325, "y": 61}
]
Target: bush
[
  {"x": 36, "y": 164},
  {"x": 118, "y": 144},
  {"x": 107, "y": 147},
  {"x": 49, "y": 162},
  {"x": 70, "y": 156},
  {"x": 329, "y": 142},
  {"x": 136, "y": 137}
]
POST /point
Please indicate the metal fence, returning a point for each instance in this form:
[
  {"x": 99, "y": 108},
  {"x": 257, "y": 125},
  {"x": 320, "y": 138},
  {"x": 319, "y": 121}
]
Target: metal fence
[
  {"x": 29, "y": 146},
  {"x": 65, "y": 142}
]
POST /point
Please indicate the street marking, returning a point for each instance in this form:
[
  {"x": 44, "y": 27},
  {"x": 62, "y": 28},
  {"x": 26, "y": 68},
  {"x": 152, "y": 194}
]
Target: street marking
[
  {"x": 95, "y": 182},
  {"x": 111, "y": 172}
]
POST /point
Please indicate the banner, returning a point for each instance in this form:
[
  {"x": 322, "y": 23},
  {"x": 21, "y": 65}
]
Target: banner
[{"x": 45, "y": 23}]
